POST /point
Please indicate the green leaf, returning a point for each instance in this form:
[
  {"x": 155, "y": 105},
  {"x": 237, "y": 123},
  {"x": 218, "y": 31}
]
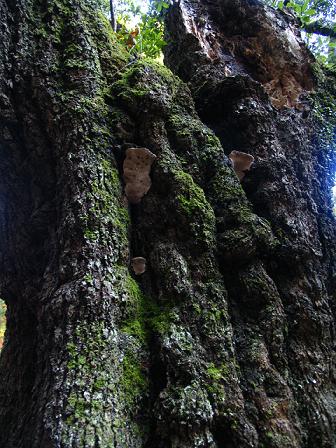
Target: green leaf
[{"x": 310, "y": 12}]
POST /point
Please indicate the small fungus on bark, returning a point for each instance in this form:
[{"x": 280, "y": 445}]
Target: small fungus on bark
[
  {"x": 137, "y": 166},
  {"x": 241, "y": 162},
  {"x": 138, "y": 265}
]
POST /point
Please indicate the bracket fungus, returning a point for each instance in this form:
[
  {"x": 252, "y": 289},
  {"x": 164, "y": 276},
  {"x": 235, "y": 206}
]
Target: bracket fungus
[
  {"x": 137, "y": 166},
  {"x": 138, "y": 265},
  {"x": 241, "y": 162}
]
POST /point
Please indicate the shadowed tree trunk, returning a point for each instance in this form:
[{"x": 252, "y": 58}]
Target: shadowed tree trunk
[
  {"x": 227, "y": 339},
  {"x": 244, "y": 60}
]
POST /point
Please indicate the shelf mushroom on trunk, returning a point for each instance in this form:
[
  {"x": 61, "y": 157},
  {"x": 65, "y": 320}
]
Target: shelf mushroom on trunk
[
  {"x": 138, "y": 265},
  {"x": 137, "y": 166},
  {"x": 241, "y": 162}
]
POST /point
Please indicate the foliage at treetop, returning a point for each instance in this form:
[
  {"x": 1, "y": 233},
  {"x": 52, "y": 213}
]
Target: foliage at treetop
[
  {"x": 140, "y": 24},
  {"x": 147, "y": 37},
  {"x": 317, "y": 18}
]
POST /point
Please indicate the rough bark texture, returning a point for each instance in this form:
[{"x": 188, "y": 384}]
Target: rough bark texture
[
  {"x": 239, "y": 59},
  {"x": 227, "y": 339}
]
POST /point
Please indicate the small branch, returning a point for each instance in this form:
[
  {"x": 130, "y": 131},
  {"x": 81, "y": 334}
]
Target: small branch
[
  {"x": 318, "y": 27},
  {"x": 113, "y": 19}
]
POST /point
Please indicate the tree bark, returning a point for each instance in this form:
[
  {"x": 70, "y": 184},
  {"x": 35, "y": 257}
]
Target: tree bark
[
  {"x": 227, "y": 339},
  {"x": 321, "y": 28},
  {"x": 240, "y": 59}
]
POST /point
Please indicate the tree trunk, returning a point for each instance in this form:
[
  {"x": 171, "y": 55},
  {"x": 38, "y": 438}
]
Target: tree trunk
[{"x": 227, "y": 339}]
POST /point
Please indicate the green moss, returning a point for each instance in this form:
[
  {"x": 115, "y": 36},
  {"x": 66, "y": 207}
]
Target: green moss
[
  {"x": 213, "y": 316},
  {"x": 218, "y": 373},
  {"x": 186, "y": 130},
  {"x": 225, "y": 184},
  {"x": 88, "y": 278},
  {"x": 88, "y": 365},
  {"x": 133, "y": 289},
  {"x": 94, "y": 365},
  {"x": 216, "y": 377},
  {"x": 112, "y": 55},
  {"x": 107, "y": 189},
  {"x": 145, "y": 316},
  {"x": 133, "y": 381},
  {"x": 135, "y": 324},
  {"x": 73, "y": 57},
  {"x": 90, "y": 341},
  {"x": 99, "y": 383},
  {"x": 195, "y": 207},
  {"x": 197, "y": 309},
  {"x": 128, "y": 89},
  {"x": 82, "y": 408},
  {"x": 90, "y": 234},
  {"x": 79, "y": 406},
  {"x": 161, "y": 71},
  {"x": 107, "y": 218},
  {"x": 136, "y": 328},
  {"x": 106, "y": 207},
  {"x": 92, "y": 379},
  {"x": 80, "y": 76},
  {"x": 145, "y": 82},
  {"x": 137, "y": 74},
  {"x": 160, "y": 319},
  {"x": 192, "y": 200}
]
